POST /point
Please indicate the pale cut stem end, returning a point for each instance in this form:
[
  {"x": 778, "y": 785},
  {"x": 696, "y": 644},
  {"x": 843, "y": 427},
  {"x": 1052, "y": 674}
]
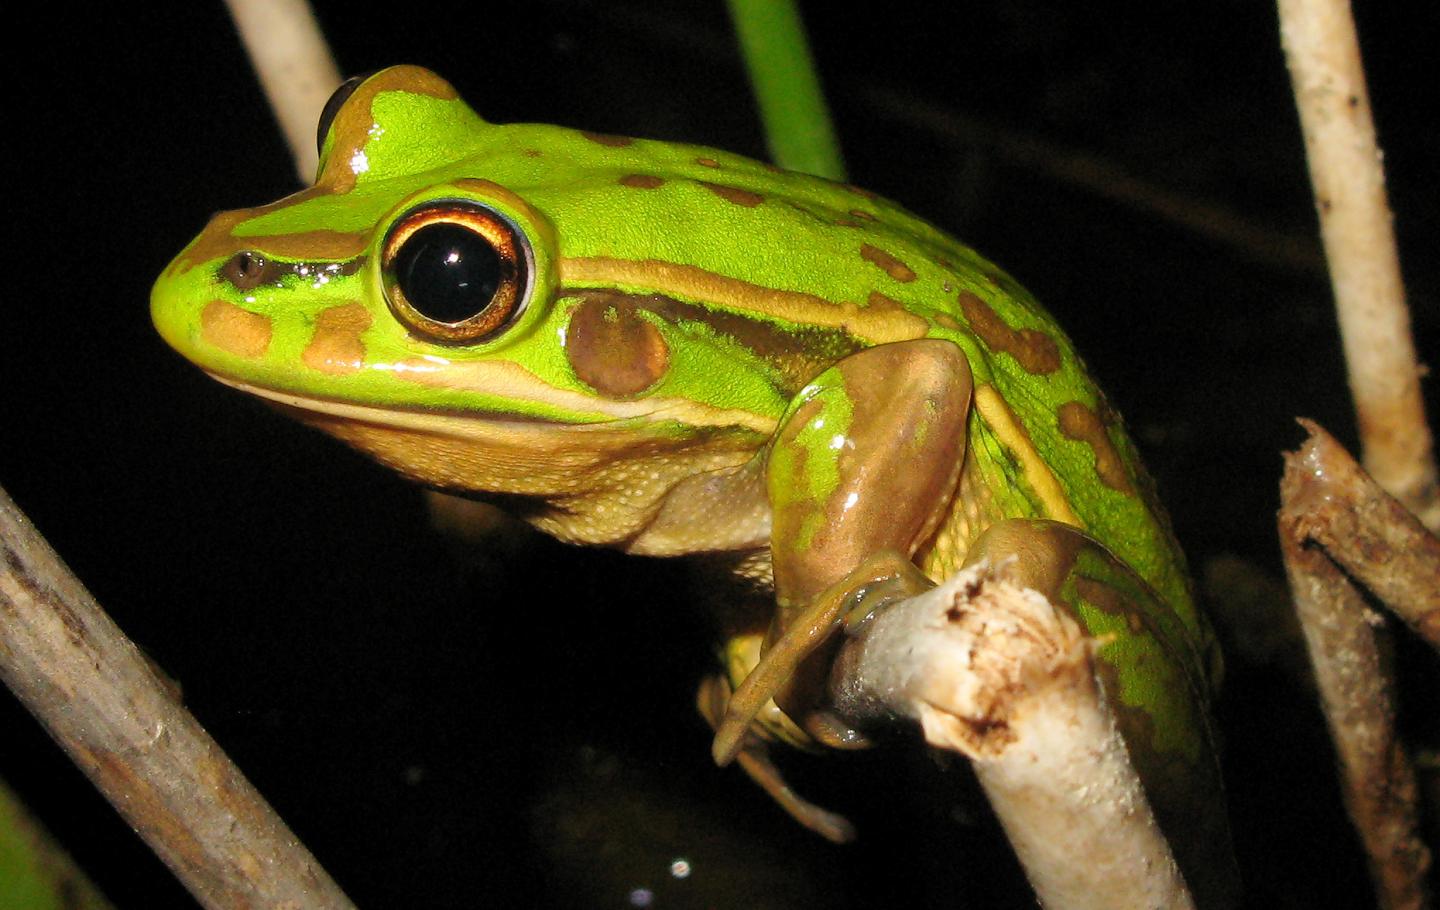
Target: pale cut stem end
[{"x": 994, "y": 671}]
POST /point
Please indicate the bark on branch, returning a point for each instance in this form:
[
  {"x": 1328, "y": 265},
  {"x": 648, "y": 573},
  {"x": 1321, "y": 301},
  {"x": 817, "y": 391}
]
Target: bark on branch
[
  {"x": 995, "y": 672},
  {"x": 98, "y": 697},
  {"x": 1323, "y": 54},
  {"x": 1328, "y": 502}
]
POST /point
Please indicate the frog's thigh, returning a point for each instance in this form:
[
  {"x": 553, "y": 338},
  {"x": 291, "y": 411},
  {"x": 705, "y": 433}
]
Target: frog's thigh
[
  {"x": 866, "y": 461},
  {"x": 859, "y": 474}
]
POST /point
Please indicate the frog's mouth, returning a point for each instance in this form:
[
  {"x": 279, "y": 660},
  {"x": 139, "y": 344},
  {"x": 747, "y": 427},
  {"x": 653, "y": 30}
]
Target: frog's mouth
[
  {"x": 460, "y": 424},
  {"x": 566, "y": 410}
]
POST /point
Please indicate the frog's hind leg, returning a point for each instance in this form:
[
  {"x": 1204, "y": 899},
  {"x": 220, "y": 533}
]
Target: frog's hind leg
[
  {"x": 886, "y": 572},
  {"x": 753, "y": 757},
  {"x": 861, "y": 471}
]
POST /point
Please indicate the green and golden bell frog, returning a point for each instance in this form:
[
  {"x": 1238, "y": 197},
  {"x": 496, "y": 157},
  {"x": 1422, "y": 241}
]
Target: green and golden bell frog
[{"x": 674, "y": 350}]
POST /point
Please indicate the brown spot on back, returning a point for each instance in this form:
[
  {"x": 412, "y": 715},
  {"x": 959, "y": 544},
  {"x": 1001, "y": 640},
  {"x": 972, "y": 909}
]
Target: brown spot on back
[
  {"x": 614, "y": 142},
  {"x": 1082, "y": 424},
  {"x": 642, "y": 181},
  {"x": 887, "y": 263},
  {"x": 534, "y": 153},
  {"x": 948, "y": 321},
  {"x": 862, "y": 215},
  {"x": 707, "y": 162},
  {"x": 612, "y": 348},
  {"x": 734, "y": 194},
  {"x": 236, "y": 331},
  {"x": 336, "y": 346},
  {"x": 1035, "y": 351}
]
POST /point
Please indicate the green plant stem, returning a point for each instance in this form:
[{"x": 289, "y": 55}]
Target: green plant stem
[
  {"x": 786, "y": 86},
  {"x": 35, "y": 873}
]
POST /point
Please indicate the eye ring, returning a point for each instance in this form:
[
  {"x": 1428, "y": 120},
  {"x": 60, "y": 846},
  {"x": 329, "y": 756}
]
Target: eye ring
[{"x": 455, "y": 271}]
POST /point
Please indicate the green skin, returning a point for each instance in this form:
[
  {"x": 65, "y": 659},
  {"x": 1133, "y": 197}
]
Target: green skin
[{"x": 715, "y": 357}]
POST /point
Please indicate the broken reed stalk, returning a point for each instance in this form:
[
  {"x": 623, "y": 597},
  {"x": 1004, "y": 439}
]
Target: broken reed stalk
[
  {"x": 1323, "y": 55},
  {"x": 1327, "y": 499},
  {"x": 295, "y": 67},
  {"x": 99, "y": 699},
  {"x": 997, "y": 673}
]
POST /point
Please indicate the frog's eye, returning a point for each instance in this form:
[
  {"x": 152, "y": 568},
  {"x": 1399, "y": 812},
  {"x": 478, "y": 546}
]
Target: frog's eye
[
  {"x": 454, "y": 271},
  {"x": 332, "y": 107}
]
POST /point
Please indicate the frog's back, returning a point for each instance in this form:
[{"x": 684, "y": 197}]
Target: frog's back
[
  {"x": 1043, "y": 441},
  {"x": 800, "y": 272}
]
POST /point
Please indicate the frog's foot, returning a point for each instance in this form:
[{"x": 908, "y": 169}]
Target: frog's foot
[
  {"x": 881, "y": 577},
  {"x": 753, "y": 756}
]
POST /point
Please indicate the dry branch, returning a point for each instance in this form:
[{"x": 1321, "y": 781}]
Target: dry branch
[
  {"x": 1323, "y": 54},
  {"x": 995, "y": 672},
  {"x": 1322, "y": 485},
  {"x": 295, "y": 68},
  {"x": 98, "y": 697}
]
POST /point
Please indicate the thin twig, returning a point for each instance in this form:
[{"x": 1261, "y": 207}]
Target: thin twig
[
  {"x": 1366, "y": 532},
  {"x": 1355, "y": 683},
  {"x": 295, "y": 67},
  {"x": 1323, "y": 54},
  {"x": 96, "y": 695}
]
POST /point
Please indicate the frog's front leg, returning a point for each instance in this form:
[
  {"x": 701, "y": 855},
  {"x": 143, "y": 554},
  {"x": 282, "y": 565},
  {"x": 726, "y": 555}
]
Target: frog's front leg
[{"x": 860, "y": 472}]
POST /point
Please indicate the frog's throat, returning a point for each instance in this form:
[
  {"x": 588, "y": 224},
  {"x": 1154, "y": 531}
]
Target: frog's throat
[{"x": 487, "y": 453}]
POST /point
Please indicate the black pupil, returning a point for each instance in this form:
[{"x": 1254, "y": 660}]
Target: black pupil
[{"x": 447, "y": 273}]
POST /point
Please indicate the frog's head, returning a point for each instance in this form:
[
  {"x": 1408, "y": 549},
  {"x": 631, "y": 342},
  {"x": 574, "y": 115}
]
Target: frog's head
[{"x": 486, "y": 308}]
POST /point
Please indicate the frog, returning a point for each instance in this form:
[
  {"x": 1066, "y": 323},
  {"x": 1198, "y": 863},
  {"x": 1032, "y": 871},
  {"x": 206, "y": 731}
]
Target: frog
[{"x": 678, "y": 351}]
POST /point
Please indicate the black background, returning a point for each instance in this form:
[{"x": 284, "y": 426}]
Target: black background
[{"x": 519, "y": 731}]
